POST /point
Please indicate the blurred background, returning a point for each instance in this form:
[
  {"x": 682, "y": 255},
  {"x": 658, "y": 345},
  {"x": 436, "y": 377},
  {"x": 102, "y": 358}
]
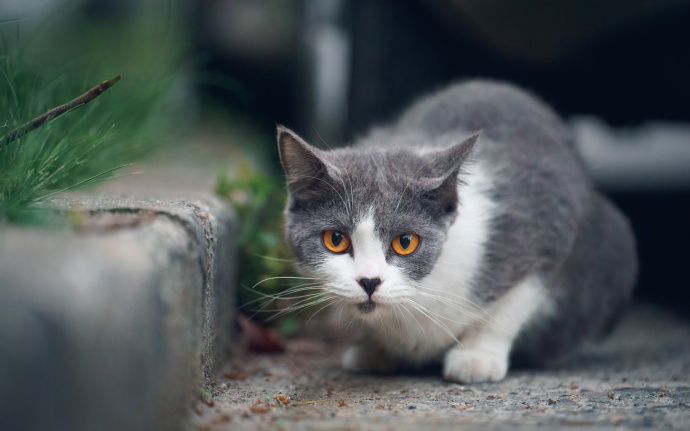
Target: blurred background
[{"x": 616, "y": 70}]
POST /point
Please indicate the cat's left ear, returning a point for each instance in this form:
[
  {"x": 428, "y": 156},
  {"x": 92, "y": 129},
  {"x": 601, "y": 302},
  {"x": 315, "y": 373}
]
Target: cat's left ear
[
  {"x": 305, "y": 166},
  {"x": 440, "y": 177}
]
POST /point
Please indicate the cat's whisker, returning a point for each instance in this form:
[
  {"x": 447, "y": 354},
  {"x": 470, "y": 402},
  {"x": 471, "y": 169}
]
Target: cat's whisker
[
  {"x": 288, "y": 295},
  {"x": 433, "y": 318},
  {"x": 338, "y": 290},
  {"x": 413, "y": 177},
  {"x": 383, "y": 327},
  {"x": 277, "y": 297},
  {"x": 352, "y": 320},
  {"x": 271, "y": 258},
  {"x": 317, "y": 311},
  {"x": 470, "y": 312},
  {"x": 463, "y": 323},
  {"x": 298, "y": 308},
  {"x": 292, "y": 291},
  {"x": 418, "y": 324},
  {"x": 397, "y": 317},
  {"x": 263, "y": 306},
  {"x": 315, "y": 286},
  {"x": 283, "y": 294},
  {"x": 283, "y": 278},
  {"x": 340, "y": 311},
  {"x": 342, "y": 166},
  {"x": 459, "y": 303},
  {"x": 265, "y": 302},
  {"x": 461, "y": 298},
  {"x": 337, "y": 318},
  {"x": 306, "y": 299},
  {"x": 395, "y": 212},
  {"x": 331, "y": 186},
  {"x": 311, "y": 284},
  {"x": 305, "y": 286}
]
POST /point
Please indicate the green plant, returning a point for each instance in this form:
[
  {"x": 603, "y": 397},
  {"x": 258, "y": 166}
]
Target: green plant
[
  {"x": 45, "y": 62},
  {"x": 265, "y": 263}
]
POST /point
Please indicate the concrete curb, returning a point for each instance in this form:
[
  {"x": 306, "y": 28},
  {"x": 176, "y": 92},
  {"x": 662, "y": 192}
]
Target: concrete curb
[{"x": 114, "y": 326}]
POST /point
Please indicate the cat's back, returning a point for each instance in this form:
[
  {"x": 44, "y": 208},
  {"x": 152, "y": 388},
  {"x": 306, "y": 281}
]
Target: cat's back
[
  {"x": 502, "y": 111},
  {"x": 525, "y": 149}
]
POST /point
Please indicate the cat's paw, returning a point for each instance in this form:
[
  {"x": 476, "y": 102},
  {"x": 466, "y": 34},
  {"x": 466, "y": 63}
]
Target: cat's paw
[
  {"x": 361, "y": 359},
  {"x": 469, "y": 366}
]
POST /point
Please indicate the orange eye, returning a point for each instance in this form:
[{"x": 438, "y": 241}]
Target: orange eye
[
  {"x": 405, "y": 244},
  {"x": 336, "y": 241}
]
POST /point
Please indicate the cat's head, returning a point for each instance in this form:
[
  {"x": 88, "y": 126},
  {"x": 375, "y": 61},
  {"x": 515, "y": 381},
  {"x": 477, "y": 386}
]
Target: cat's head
[{"x": 369, "y": 223}]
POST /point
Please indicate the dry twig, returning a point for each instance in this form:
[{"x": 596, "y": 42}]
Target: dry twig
[
  {"x": 308, "y": 402},
  {"x": 58, "y": 110}
]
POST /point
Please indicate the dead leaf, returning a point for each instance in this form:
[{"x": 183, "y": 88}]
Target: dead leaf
[
  {"x": 259, "y": 338},
  {"x": 260, "y": 410},
  {"x": 235, "y": 375}
]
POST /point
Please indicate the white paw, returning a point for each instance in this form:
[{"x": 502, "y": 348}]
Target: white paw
[
  {"x": 361, "y": 359},
  {"x": 468, "y": 366},
  {"x": 351, "y": 359}
]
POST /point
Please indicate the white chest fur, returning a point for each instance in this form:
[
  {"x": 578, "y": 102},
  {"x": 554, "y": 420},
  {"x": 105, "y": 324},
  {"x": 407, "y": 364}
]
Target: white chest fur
[{"x": 430, "y": 313}]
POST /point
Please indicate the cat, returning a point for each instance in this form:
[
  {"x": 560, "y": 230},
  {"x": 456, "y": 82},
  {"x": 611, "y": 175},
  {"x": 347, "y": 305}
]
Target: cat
[{"x": 465, "y": 234}]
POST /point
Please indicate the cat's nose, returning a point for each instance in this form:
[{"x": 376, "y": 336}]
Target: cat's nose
[{"x": 369, "y": 284}]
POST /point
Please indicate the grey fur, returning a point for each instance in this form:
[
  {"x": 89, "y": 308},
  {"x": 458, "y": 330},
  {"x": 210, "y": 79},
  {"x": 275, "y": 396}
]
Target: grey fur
[
  {"x": 336, "y": 189},
  {"x": 550, "y": 220}
]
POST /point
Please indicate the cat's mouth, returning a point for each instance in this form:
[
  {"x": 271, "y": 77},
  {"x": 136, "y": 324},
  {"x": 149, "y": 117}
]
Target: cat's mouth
[{"x": 367, "y": 306}]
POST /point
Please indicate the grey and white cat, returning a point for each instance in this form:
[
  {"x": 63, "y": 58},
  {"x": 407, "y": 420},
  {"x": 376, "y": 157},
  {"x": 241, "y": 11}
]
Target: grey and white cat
[{"x": 459, "y": 247}]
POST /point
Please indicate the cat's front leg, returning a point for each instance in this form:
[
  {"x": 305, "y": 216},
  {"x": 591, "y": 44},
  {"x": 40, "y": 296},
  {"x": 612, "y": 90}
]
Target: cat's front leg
[
  {"x": 487, "y": 362},
  {"x": 364, "y": 357},
  {"x": 484, "y": 352}
]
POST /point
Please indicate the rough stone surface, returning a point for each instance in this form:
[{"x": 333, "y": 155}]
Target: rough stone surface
[
  {"x": 210, "y": 225},
  {"x": 116, "y": 324},
  {"x": 639, "y": 377}
]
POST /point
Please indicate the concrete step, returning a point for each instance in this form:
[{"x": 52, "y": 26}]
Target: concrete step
[{"x": 117, "y": 323}]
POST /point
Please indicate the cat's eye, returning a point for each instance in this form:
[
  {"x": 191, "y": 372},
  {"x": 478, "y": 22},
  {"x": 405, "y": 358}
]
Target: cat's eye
[
  {"x": 336, "y": 241},
  {"x": 405, "y": 244}
]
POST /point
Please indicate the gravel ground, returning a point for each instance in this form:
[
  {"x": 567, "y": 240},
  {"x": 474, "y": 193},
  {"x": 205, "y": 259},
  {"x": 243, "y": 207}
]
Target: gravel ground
[{"x": 639, "y": 377}]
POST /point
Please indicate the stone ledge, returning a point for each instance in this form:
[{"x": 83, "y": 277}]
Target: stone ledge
[{"x": 114, "y": 326}]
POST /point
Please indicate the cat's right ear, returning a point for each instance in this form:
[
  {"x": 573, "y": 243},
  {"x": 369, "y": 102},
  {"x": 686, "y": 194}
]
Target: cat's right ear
[{"x": 303, "y": 164}]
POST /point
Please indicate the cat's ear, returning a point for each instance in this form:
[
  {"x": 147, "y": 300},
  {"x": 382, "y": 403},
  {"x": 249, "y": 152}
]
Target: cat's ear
[
  {"x": 446, "y": 163},
  {"x": 303, "y": 164},
  {"x": 440, "y": 178}
]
